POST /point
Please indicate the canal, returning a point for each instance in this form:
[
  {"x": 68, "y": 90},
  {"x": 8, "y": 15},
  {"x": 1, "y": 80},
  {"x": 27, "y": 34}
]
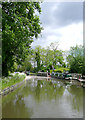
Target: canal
[{"x": 44, "y": 98}]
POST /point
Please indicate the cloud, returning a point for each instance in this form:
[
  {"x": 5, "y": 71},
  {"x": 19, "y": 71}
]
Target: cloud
[
  {"x": 67, "y": 36},
  {"x": 46, "y": 16},
  {"x": 69, "y": 13},
  {"x": 62, "y": 22},
  {"x": 61, "y": 14},
  {"x": 72, "y": 35}
]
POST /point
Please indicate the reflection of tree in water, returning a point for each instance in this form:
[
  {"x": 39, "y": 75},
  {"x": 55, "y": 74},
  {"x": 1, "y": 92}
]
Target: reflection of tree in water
[
  {"x": 39, "y": 90},
  {"x": 43, "y": 90},
  {"x": 16, "y": 108},
  {"x": 77, "y": 94},
  {"x": 21, "y": 107},
  {"x": 0, "y": 106},
  {"x": 84, "y": 102},
  {"x": 47, "y": 90}
]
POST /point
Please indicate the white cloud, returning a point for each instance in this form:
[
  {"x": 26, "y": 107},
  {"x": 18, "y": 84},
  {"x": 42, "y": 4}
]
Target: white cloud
[
  {"x": 71, "y": 35},
  {"x": 67, "y": 34}
]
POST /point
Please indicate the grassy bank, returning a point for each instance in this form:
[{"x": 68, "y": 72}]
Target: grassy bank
[{"x": 12, "y": 80}]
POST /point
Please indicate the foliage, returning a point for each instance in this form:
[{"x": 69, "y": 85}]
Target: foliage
[
  {"x": 26, "y": 66},
  {"x": 61, "y": 69},
  {"x": 43, "y": 59},
  {"x": 20, "y": 25},
  {"x": 9, "y": 81},
  {"x": 47, "y": 58},
  {"x": 37, "y": 57},
  {"x": 35, "y": 69},
  {"x": 83, "y": 69},
  {"x": 54, "y": 56},
  {"x": 0, "y": 84},
  {"x": 43, "y": 69},
  {"x": 75, "y": 59}
]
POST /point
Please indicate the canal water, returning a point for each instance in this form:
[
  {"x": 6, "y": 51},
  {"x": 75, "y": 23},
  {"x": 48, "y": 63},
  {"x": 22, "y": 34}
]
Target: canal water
[{"x": 44, "y": 98}]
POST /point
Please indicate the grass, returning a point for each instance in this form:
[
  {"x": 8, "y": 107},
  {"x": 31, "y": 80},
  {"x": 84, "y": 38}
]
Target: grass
[
  {"x": 33, "y": 73},
  {"x": 61, "y": 69},
  {"x": 12, "y": 80}
]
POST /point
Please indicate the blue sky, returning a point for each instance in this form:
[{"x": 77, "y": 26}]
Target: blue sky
[{"x": 63, "y": 23}]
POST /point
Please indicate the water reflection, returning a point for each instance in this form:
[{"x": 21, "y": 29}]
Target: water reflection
[
  {"x": 84, "y": 103},
  {"x": 42, "y": 90},
  {"x": 0, "y": 107},
  {"x": 43, "y": 99},
  {"x": 15, "y": 107},
  {"x": 77, "y": 94}
]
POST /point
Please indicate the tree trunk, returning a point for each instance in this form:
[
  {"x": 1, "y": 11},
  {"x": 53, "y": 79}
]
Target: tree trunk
[{"x": 4, "y": 69}]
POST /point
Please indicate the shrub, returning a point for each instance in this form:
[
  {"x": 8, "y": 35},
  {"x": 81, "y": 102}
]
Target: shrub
[{"x": 61, "y": 70}]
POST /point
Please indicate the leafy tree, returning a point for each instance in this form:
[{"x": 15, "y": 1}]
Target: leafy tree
[
  {"x": 49, "y": 57},
  {"x": 20, "y": 25},
  {"x": 27, "y": 64},
  {"x": 54, "y": 56},
  {"x": 42, "y": 56},
  {"x": 37, "y": 57},
  {"x": 75, "y": 59},
  {"x": 83, "y": 70},
  {"x": 46, "y": 59}
]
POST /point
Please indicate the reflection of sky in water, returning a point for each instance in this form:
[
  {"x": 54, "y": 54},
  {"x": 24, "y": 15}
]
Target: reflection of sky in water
[
  {"x": 66, "y": 92},
  {"x": 41, "y": 85},
  {"x": 43, "y": 99}
]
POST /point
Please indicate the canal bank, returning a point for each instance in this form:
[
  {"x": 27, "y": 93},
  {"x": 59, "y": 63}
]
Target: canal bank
[
  {"x": 68, "y": 76},
  {"x": 13, "y": 87}
]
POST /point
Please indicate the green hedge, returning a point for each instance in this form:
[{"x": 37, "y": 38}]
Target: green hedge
[{"x": 61, "y": 70}]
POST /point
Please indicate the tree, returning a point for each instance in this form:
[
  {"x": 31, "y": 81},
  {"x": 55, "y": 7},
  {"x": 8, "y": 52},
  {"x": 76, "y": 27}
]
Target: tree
[
  {"x": 37, "y": 57},
  {"x": 75, "y": 59},
  {"x": 19, "y": 25},
  {"x": 27, "y": 66},
  {"x": 47, "y": 58},
  {"x": 54, "y": 56},
  {"x": 54, "y": 46},
  {"x": 83, "y": 70}
]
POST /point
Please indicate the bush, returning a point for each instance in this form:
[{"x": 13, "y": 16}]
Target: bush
[
  {"x": 61, "y": 70},
  {"x": 43, "y": 69},
  {"x": 51, "y": 71}
]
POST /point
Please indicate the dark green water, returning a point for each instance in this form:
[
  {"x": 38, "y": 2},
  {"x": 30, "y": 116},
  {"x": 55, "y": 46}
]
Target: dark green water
[{"x": 44, "y": 99}]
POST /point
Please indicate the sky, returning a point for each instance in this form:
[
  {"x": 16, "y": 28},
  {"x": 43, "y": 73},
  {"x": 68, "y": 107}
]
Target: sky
[{"x": 63, "y": 23}]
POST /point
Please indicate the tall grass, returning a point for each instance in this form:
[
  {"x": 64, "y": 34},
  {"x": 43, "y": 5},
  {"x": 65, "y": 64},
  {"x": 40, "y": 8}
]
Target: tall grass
[{"x": 12, "y": 80}]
